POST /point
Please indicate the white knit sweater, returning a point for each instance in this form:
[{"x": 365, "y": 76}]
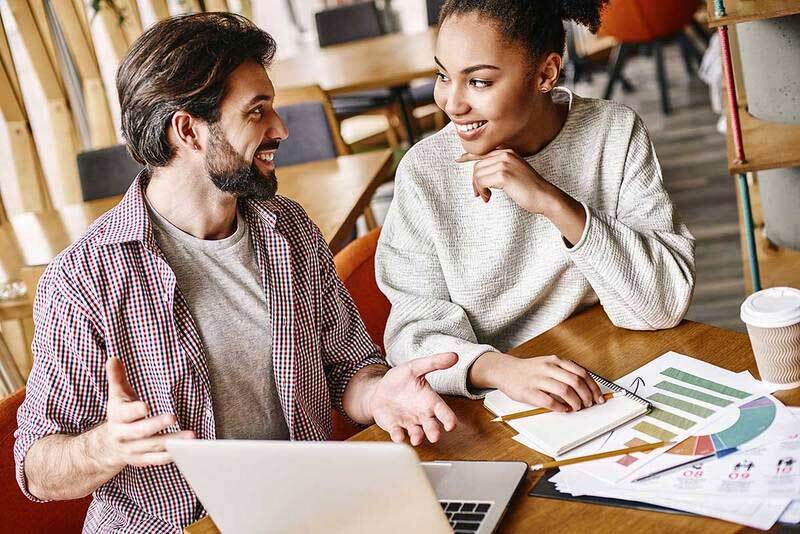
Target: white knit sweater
[{"x": 471, "y": 277}]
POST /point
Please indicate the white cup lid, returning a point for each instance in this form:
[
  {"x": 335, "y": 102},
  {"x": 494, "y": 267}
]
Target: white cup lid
[{"x": 775, "y": 307}]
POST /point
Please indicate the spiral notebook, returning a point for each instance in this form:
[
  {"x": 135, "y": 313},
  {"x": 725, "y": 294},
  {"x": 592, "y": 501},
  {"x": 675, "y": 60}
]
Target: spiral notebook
[{"x": 555, "y": 433}]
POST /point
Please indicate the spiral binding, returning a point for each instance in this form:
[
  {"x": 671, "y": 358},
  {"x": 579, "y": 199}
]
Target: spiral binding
[{"x": 618, "y": 389}]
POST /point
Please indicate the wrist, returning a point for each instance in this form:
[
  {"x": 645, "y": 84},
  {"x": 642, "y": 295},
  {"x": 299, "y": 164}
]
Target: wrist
[
  {"x": 96, "y": 447},
  {"x": 560, "y": 205},
  {"x": 372, "y": 375},
  {"x": 486, "y": 370}
]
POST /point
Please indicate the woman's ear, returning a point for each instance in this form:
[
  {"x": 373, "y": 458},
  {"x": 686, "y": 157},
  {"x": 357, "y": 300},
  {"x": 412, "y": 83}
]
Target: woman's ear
[{"x": 549, "y": 72}]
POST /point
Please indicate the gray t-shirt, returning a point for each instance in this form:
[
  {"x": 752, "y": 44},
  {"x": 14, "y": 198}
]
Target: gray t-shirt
[{"x": 220, "y": 281}]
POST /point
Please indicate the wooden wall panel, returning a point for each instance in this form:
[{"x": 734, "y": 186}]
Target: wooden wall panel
[
  {"x": 216, "y": 5},
  {"x": 94, "y": 95},
  {"x": 21, "y": 184},
  {"x": 151, "y": 11}
]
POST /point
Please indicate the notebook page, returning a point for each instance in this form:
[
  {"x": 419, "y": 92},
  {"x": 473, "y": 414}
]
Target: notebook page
[{"x": 555, "y": 433}]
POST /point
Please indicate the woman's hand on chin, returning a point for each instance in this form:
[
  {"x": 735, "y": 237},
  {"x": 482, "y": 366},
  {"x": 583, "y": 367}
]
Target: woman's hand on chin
[{"x": 504, "y": 169}]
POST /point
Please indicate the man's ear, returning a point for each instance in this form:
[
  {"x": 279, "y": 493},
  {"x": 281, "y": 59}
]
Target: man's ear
[
  {"x": 549, "y": 71},
  {"x": 184, "y": 130}
]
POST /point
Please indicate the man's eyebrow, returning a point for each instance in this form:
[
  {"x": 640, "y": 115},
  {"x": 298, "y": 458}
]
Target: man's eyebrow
[
  {"x": 469, "y": 70},
  {"x": 256, "y": 99}
]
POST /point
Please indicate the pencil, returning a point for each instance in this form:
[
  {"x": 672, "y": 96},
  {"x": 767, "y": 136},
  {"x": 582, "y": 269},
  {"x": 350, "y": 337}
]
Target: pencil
[
  {"x": 717, "y": 454},
  {"x": 601, "y": 455},
  {"x": 537, "y": 411}
]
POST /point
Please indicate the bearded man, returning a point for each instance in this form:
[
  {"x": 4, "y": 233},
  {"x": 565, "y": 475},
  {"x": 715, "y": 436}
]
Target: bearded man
[{"x": 203, "y": 305}]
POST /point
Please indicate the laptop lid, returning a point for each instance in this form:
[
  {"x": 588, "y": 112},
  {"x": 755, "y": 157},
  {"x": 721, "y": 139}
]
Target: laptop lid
[{"x": 299, "y": 487}]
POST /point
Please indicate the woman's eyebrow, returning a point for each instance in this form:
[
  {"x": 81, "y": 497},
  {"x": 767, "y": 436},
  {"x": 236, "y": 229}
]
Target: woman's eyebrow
[{"x": 471, "y": 69}]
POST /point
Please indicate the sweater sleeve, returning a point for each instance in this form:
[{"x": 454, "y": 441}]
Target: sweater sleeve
[
  {"x": 640, "y": 260},
  {"x": 423, "y": 320}
]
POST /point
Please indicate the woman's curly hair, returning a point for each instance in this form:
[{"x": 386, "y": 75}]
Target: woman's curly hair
[{"x": 535, "y": 24}]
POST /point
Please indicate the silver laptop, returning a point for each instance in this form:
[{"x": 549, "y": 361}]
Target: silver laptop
[{"x": 342, "y": 487}]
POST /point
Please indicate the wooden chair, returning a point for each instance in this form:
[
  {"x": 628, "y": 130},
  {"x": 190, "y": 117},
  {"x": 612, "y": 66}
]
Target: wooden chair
[
  {"x": 355, "y": 265},
  {"x": 634, "y": 23},
  {"x": 344, "y": 24},
  {"x": 17, "y": 513},
  {"x": 106, "y": 172},
  {"x": 314, "y": 131}
]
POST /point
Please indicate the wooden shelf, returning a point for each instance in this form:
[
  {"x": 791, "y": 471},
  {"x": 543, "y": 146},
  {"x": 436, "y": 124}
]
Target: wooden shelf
[
  {"x": 779, "y": 266},
  {"x": 767, "y": 145},
  {"x": 737, "y": 11}
]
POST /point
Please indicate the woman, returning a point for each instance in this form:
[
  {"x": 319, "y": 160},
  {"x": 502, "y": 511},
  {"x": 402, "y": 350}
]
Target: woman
[{"x": 533, "y": 203}]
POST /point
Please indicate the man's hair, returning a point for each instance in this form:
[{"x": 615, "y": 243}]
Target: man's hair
[
  {"x": 182, "y": 63},
  {"x": 536, "y": 25}
]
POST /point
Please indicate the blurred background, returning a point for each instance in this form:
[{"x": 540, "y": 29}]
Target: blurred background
[{"x": 354, "y": 82}]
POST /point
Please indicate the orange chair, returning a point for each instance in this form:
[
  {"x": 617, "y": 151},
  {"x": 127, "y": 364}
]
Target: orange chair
[
  {"x": 653, "y": 23},
  {"x": 355, "y": 265},
  {"x": 17, "y": 513}
]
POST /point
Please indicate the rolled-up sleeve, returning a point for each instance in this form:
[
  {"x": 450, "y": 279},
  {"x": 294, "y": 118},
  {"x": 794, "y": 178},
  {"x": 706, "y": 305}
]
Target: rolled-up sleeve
[
  {"x": 640, "y": 261},
  {"x": 346, "y": 346},
  {"x": 61, "y": 395}
]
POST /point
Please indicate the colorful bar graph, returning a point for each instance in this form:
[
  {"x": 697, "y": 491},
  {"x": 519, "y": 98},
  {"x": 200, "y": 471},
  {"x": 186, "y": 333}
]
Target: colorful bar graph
[
  {"x": 694, "y": 380},
  {"x": 671, "y": 418},
  {"x": 688, "y": 407},
  {"x": 656, "y": 431},
  {"x": 693, "y": 393}
]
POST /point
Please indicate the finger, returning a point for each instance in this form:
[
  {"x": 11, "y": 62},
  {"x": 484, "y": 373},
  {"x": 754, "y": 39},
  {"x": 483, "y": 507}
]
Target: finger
[
  {"x": 466, "y": 157},
  {"x": 541, "y": 399},
  {"x": 445, "y": 414},
  {"x": 118, "y": 386},
  {"x": 397, "y": 434},
  {"x": 120, "y": 411},
  {"x": 415, "y": 434},
  {"x": 147, "y": 427},
  {"x": 158, "y": 443},
  {"x": 565, "y": 391},
  {"x": 151, "y": 458},
  {"x": 576, "y": 383},
  {"x": 573, "y": 367},
  {"x": 432, "y": 430},
  {"x": 422, "y": 366}
]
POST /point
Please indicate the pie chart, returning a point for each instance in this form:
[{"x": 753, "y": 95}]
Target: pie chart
[{"x": 754, "y": 418}]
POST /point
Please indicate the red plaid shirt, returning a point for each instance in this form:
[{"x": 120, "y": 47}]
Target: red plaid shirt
[{"x": 112, "y": 293}]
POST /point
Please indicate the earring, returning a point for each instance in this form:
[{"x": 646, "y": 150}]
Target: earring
[{"x": 544, "y": 89}]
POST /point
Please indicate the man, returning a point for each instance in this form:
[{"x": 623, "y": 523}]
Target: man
[{"x": 202, "y": 306}]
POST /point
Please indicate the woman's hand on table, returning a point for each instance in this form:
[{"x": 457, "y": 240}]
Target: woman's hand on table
[{"x": 544, "y": 381}]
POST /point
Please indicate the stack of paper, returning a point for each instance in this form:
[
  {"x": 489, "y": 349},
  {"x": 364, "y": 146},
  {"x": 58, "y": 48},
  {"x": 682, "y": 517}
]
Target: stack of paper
[
  {"x": 554, "y": 433},
  {"x": 704, "y": 409}
]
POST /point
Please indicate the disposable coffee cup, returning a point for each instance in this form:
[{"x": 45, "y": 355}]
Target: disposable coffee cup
[{"x": 772, "y": 317}]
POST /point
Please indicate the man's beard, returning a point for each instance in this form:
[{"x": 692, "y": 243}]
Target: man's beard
[{"x": 232, "y": 174}]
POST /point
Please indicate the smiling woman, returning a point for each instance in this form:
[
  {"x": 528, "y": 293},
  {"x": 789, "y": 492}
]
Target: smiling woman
[{"x": 531, "y": 205}]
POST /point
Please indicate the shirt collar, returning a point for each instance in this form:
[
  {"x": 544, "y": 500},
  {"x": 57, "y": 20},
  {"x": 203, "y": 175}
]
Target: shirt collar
[{"x": 129, "y": 220}]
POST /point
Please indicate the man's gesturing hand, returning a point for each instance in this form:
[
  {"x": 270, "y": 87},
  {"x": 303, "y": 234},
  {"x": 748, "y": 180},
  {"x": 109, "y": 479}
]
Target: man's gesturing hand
[
  {"x": 403, "y": 401},
  {"x": 130, "y": 437}
]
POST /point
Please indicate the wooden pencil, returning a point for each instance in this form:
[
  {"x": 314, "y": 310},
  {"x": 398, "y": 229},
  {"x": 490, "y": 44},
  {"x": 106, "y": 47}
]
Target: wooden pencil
[
  {"x": 537, "y": 411},
  {"x": 601, "y": 455}
]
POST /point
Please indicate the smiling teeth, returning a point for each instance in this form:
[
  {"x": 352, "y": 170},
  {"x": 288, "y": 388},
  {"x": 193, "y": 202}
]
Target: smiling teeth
[
  {"x": 470, "y": 126},
  {"x": 266, "y": 157}
]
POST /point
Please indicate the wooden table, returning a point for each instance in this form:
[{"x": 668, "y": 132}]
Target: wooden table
[
  {"x": 379, "y": 62},
  {"x": 389, "y": 61},
  {"x": 590, "y": 339},
  {"x": 334, "y": 193}
]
